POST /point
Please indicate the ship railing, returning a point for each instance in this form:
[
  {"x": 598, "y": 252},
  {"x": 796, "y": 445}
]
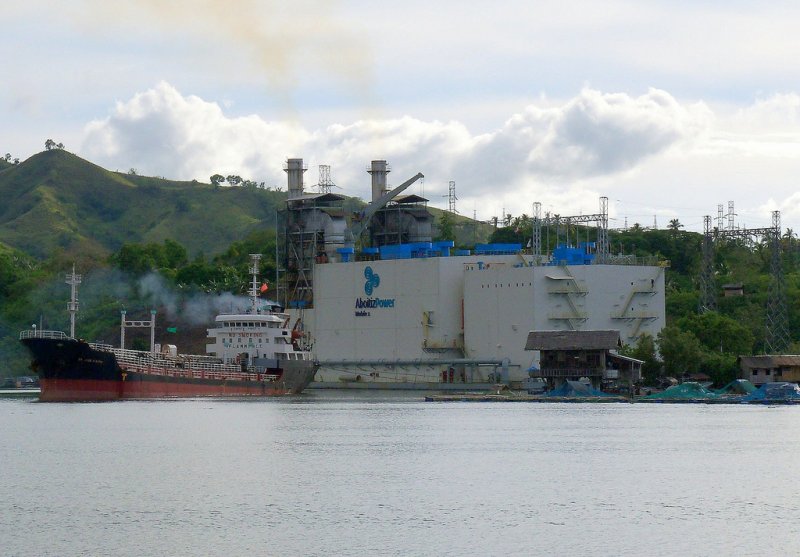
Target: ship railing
[
  {"x": 101, "y": 346},
  {"x": 38, "y": 333},
  {"x": 194, "y": 367}
]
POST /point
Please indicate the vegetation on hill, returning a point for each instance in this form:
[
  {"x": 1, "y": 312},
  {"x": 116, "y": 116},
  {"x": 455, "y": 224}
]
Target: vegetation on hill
[
  {"x": 146, "y": 242},
  {"x": 56, "y": 201}
]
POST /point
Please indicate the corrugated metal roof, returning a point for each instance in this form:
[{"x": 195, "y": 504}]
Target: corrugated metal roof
[
  {"x": 410, "y": 198},
  {"x": 615, "y": 356},
  {"x": 573, "y": 340},
  {"x": 770, "y": 361},
  {"x": 318, "y": 197}
]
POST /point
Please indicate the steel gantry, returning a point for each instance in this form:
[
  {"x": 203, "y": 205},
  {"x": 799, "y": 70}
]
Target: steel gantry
[
  {"x": 776, "y": 337},
  {"x": 600, "y": 219}
]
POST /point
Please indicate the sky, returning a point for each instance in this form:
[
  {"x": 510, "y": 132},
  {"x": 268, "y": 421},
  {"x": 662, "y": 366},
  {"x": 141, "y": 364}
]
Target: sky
[{"x": 667, "y": 108}]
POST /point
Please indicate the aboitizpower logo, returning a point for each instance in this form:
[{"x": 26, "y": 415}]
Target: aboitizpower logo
[{"x": 373, "y": 281}]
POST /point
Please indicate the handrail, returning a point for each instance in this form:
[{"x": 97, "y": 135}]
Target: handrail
[{"x": 39, "y": 333}]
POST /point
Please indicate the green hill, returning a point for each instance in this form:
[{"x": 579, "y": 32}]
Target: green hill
[
  {"x": 467, "y": 232},
  {"x": 56, "y": 201}
]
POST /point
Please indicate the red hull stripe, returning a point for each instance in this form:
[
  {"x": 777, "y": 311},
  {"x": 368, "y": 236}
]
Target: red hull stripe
[{"x": 73, "y": 390}]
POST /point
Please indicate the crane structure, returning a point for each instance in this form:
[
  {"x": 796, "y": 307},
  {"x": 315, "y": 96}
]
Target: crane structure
[{"x": 360, "y": 221}]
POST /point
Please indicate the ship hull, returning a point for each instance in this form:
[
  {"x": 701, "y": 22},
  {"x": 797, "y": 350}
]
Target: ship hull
[{"x": 74, "y": 371}]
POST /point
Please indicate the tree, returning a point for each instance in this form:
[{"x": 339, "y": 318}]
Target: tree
[
  {"x": 60, "y": 146},
  {"x": 49, "y": 144},
  {"x": 446, "y": 227},
  {"x": 234, "y": 180},
  {"x": 680, "y": 350},
  {"x": 719, "y": 333},
  {"x": 216, "y": 180},
  {"x": 645, "y": 350},
  {"x": 175, "y": 254},
  {"x": 8, "y": 157}
]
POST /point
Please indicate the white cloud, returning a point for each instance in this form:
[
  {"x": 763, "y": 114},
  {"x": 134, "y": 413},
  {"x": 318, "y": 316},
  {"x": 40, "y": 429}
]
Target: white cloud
[
  {"x": 650, "y": 151},
  {"x": 164, "y": 132}
]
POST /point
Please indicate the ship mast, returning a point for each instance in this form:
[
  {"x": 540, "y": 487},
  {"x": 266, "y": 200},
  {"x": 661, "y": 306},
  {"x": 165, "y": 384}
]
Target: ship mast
[
  {"x": 254, "y": 259},
  {"x": 72, "y": 306}
]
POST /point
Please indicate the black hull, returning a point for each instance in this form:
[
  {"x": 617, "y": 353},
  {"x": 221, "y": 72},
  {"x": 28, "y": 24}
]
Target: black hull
[{"x": 72, "y": 370}]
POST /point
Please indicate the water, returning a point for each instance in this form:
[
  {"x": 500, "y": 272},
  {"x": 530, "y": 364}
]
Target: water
[{"x": 366, "y": 474}]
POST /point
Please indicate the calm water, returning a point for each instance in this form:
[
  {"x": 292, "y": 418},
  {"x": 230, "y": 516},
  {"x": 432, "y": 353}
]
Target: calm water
[{"x": 359, "y": 474}]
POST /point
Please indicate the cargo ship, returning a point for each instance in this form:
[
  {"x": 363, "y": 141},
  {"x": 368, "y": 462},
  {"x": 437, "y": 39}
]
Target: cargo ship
[{"x": 252, "y": 354}]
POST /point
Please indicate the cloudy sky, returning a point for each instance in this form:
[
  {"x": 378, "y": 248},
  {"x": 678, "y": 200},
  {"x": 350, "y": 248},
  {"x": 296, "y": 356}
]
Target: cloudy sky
[{"x": 668, "y": 108}]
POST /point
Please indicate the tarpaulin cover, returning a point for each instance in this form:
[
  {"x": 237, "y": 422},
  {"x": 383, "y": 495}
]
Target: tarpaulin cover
[
  {"x": 774, "y": 391},
  {"x": 576, "y": 389},
  {"x": 685, "y": 391},
  {"x": 737, "y": 387}
]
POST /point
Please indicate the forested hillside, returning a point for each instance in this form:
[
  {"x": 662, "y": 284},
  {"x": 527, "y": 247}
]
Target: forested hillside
[
  {"x": 182, "y": 247},
  {"x": 56, "y": 202}
]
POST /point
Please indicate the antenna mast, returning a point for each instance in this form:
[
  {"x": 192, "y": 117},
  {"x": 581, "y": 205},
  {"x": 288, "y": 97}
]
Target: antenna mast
[
  {"x": 254, "y": 259},
  {"x": 72, "y": 306}
]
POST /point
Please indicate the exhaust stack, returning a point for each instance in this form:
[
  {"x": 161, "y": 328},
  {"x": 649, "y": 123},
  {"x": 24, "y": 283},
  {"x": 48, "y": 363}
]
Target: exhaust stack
[
  {"x": 378, "y": 170},
  {"x": 295, "y": 169}
]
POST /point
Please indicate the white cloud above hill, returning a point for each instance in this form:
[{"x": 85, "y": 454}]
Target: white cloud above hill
[{"x": 571, "y": 146}]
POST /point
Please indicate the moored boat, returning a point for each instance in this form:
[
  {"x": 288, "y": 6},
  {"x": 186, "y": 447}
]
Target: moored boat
[{"x": 253, "y": 353}]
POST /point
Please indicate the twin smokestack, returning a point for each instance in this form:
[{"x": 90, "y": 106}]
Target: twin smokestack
[{"x": 295, "y": 169}]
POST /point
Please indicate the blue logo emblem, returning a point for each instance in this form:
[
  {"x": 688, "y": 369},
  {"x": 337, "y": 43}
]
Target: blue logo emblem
[{"x": 373, "y": 280}]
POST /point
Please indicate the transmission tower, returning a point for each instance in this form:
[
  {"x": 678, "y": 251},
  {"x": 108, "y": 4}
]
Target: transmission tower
[
  {"x": 602, "y": 231},
  {"x": 325, "y": 182},
  {"x": 536, "y": 237},
  {"x": 731, "y": 214},
  {"x": 451, "y": 197},
  {"x": 708, "y": 299},
  {"x": 777, "y": 320}
]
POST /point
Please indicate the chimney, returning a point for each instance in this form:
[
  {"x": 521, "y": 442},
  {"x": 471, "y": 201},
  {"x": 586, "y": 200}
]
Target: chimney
[
  {"x": 378, "y": 170},
  {"x": 294, "y": 169}
]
